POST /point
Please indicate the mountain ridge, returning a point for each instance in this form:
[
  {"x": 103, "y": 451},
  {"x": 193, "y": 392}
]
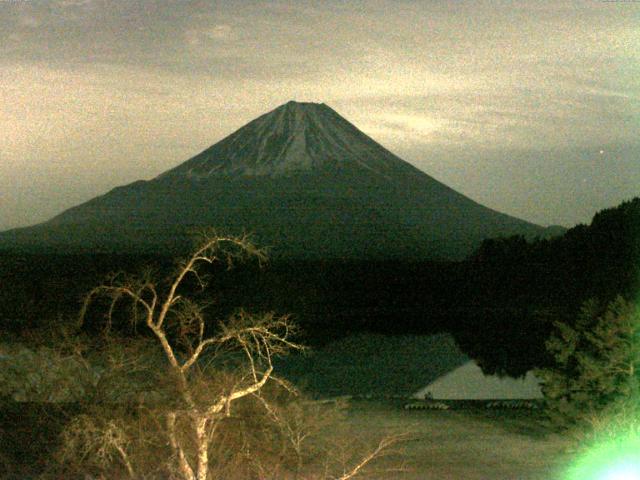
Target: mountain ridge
[
  {"x": 294, "y": 138},
  {"x": 303, "y": 180}
]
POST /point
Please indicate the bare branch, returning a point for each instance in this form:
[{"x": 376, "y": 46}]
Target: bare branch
[
  {"x": 115, "y": 293},
  {"x": 206, "y": 253},
  {"x": 199, "y": 349},
  {"x": 382, "y": 448},
  {"x": 218, "y": 406}
]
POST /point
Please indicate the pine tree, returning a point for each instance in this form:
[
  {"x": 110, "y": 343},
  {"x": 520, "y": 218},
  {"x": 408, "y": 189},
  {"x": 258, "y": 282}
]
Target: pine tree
[{"x": 596, "y": 362}]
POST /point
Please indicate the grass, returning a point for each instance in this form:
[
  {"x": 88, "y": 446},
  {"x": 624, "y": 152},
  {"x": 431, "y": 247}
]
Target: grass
[
  {"x": 466, "y": 444},
  {"x": 470, "y": 444}
]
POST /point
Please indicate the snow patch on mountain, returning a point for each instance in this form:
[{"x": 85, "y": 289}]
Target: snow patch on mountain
[{"x": 294, "y": 138}]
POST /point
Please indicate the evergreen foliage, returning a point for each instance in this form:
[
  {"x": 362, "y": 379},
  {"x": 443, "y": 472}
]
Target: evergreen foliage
[
  {"x": 516, "y": 288},
  {"x": 596, "y": 362}
]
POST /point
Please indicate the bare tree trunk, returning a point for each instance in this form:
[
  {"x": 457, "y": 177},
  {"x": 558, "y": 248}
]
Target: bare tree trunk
[
  {"x": 203, "y": 447},
  {"x": 183, "y": 465}
]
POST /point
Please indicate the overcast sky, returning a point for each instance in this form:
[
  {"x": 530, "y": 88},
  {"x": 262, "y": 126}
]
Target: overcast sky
[{"x": 528, "y": 107}]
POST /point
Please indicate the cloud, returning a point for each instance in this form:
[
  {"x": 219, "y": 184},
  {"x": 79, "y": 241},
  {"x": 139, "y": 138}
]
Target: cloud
[
  {"x": 73, "y": 3},
  {"x": 218, "y": 32},
  {"x": 88, "y": 85},
  {"x": 605, "y": 92},
  {"x": 407, "y": 127},
  {"x": 207, "y": 36},
  {"x": 29, "y": 21}
]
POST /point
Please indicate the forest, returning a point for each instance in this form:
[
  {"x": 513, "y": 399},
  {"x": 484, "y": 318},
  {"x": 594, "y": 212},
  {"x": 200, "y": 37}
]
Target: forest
[{"x": 501, "y": 299}]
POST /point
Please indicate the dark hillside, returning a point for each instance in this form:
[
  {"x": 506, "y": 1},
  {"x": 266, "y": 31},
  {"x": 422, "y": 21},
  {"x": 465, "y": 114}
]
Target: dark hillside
[{"x": 519, "y": 287}]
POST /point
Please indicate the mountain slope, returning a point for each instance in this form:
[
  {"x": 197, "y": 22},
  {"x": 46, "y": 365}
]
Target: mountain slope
[
  {"x": 295, "y": 138},
  {"x": 303, "y": 180}
]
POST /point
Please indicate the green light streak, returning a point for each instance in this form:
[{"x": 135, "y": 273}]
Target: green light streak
[{"x": 617, "y": 459}]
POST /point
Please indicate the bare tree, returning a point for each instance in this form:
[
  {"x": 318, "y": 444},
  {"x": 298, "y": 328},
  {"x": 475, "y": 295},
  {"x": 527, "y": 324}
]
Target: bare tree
[
  {"x": 218, "y": 394},
  {"x": 198, "y": 410}
]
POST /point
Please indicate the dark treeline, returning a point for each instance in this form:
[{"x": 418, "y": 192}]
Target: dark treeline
[
  {"x": 327, "y": 298},
  {"x": 38, "y": 289},
  {"x": 519, "y": 288},
  {"x": 500, "y": 304},
  {"x": 598, "y": 260}
]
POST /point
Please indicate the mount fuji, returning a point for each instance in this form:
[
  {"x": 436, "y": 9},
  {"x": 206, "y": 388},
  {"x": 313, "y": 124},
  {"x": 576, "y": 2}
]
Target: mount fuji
[{"x": 303, "y": 181}]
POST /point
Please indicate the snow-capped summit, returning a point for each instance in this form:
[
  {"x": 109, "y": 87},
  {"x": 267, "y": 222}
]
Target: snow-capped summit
[{"x": 294, "y": 138}]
